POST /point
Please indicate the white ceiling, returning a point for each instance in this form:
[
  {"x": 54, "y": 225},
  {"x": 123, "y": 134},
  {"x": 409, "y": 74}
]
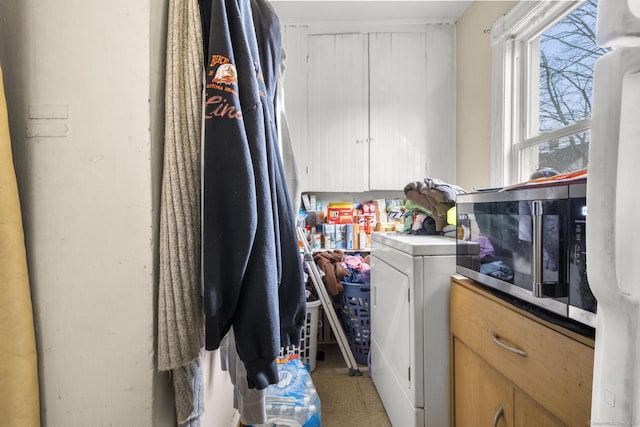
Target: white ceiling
[{"x": 314, "y": 11}]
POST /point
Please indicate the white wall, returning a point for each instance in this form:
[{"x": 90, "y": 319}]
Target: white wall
[
  {"x": 87, "y": 197},
  {"x": 473, "y": 92}
]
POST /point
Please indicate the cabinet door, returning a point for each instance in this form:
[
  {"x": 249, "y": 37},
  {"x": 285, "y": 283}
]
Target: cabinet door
[
  {"x": 294, "y": 82},
  {"x": 530, "y": 414},
  {"x": 338, "y": 105},
  {"x": 398, "y": 94},
  {"x": 412, "y": 109},
  {"x": 481, "y": 394}
]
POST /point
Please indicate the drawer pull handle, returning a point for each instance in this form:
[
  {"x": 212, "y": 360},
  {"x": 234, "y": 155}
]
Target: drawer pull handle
[
  {"x": 517, "y": 351},
  {"x": 497, "y": 416}
]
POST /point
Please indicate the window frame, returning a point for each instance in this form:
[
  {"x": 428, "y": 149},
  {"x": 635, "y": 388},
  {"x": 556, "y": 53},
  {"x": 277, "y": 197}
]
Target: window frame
[{"x": 513, "y": 106}]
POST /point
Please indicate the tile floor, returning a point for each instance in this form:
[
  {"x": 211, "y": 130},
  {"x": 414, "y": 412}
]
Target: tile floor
[{"x": 346, "y": 401}]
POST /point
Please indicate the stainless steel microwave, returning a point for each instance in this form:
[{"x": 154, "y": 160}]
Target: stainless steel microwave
[{"x": 529, "y": 243}]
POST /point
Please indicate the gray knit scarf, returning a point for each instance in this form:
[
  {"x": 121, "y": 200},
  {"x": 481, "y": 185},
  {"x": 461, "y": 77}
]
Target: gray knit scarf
[{"x": 180, "y": 319}]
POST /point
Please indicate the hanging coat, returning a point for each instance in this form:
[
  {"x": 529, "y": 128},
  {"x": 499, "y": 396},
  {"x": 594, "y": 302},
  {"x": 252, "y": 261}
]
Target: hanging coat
[
  {"x": 242, "y": 265},
  {"x": 180, "y": 320},
  {"x": 291, "y": 288}
]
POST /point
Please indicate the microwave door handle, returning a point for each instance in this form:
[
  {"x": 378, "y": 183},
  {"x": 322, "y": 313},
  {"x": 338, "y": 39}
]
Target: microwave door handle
[{"x": 536, "y": 259}]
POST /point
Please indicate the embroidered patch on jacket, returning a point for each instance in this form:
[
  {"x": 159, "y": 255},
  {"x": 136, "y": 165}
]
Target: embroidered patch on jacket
[
  {"x": 226, "y": 74},
  {"x": 222, "y": 95}
]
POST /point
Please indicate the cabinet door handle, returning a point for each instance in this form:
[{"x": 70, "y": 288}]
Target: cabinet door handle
[
  {"x": 497, "y": 416},
  {"x": 496, "y": 339}
]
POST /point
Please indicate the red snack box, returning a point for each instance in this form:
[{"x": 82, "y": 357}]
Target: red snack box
[{"x": 341, "y": 213}]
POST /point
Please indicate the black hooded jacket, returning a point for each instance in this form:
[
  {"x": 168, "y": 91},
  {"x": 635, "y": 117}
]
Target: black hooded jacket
[
  {"x": 291, "y": 290},
  {"x": 251, "y": 278}
]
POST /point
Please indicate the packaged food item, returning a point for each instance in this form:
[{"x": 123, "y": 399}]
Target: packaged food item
[
  {"x": 370, "y": 213},
  {"x": 356, "y": 235},
  {"x": 364, "y": 240},
  {"x": 315, "y": 241},
  {"x": 329, "y": 231},
  {"x": 387, "y": 226},
  {"x": 341, "y": 238},
  {"x": 340, "y": 213},
  {"x": 349, "y": 238}
]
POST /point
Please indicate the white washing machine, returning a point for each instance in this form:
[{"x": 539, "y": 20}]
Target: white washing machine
[{"x": 409, "y": 347}]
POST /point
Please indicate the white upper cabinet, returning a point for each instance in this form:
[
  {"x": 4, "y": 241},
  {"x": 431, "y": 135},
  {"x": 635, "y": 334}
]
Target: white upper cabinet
[
  {"x": 398, "y": 109},
  {"x": 338, "y": 113},
  {"x": 380, "y": 109}
]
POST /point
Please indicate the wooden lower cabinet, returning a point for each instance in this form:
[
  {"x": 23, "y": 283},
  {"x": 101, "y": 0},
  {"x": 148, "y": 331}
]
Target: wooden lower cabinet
[
  {"x": 480, "y": 392},
  {"x": 531, "y": 413},
  {"x": 511, "y": 368}
]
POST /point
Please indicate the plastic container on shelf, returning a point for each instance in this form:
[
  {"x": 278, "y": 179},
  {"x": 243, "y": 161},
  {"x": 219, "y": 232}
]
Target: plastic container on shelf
[{"x": 354, "y": 314}]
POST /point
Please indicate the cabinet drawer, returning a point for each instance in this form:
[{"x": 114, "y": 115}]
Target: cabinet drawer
[{"x": 552, "y": 368}]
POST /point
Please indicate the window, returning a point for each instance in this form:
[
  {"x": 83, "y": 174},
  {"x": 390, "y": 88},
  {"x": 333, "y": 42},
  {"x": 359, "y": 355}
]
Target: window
[{"x": 544, "y": 54}]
